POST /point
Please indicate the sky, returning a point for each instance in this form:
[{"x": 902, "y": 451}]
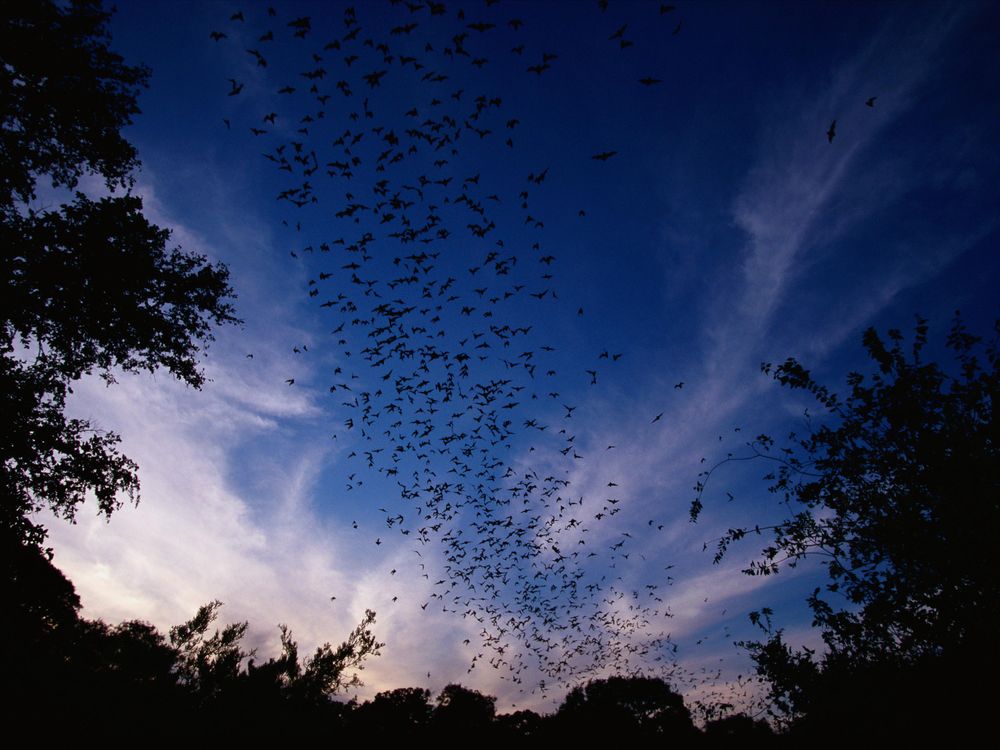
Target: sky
[{"x": 626, "y": 304}]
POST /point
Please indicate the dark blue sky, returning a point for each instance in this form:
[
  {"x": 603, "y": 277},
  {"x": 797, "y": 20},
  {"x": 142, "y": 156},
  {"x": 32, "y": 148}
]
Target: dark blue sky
[{"x": 725, "y": 230}]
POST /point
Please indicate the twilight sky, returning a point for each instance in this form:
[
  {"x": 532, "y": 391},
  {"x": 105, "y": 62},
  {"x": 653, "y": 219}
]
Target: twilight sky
[{"x": 544, "y": 534}]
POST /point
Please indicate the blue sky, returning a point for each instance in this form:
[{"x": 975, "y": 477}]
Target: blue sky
[{"x": 726, "y": 230}]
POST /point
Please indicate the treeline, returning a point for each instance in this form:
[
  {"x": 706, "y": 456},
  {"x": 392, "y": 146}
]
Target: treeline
[{"x": 67, "y": 674}]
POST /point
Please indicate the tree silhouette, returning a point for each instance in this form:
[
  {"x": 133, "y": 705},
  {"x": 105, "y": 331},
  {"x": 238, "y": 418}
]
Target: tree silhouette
[
  {"x": 119, "y": 678},
  {"x": 519, "y": 725},
  {"x": 218, "y": 670},
  {"x": 460, "y": 710},
  {"x": 898, "y": 492},
  {"x": 626, "y": 706},
  {"x": 131, "y": 666},
  {"x": 89, "y": 286},
  {"x": 40, "y": 624},
  {"x": 208, "y": 663},
  {"x": 737, "y": 728},
  {"x": 395, "y": 712}
]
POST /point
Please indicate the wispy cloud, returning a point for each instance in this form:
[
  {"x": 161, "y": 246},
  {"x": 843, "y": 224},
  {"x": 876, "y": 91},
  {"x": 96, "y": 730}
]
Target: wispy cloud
[
  {"x": 230, "y": 478},
  {"x": 802, "y": 198},
  {"x": 786, "y": 205}
]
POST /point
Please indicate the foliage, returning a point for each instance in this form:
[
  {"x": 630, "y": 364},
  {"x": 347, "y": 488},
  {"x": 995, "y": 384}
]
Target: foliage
[
  {"x": 633, "y": 705},
  {"x": 66, "y": 98},
  {"x": 130, "y": 656},
  {"x": 334, "y": 670},
  {"x": 57, "y": 662},
  {"x": 898, "y": 493},
  {"x": 395, "y": 711},
  {"x": 216, "y": 666},
  {"x": 738, "y": 727},
  {"x": 460, "y": 709},
  {"x": 520, "y": 724},
  {"x": 89, "y": 286},
  {"x": 49, "y": 459},
  {"x": 207, "y": 664}
]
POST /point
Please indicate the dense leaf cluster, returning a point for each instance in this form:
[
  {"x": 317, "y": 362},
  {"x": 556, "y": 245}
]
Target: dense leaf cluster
[
  {"x": 89, "y": 286},
  {"x": 66, "y": 96},
  {"x": 896, "y": 488}
]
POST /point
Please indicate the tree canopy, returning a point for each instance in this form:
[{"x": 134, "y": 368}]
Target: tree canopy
[
  {"x": 897, "y": 490},
  {"x": 130, "y": 676},
  {"x": 462, "y": 710},
  {"x": 90, "y": 286},
  {"x": 217, "y": 668},
  {"x": 66, "y": 98},
  {"x": 642, "y": 706}
]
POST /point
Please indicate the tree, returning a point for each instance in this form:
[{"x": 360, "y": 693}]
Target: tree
[
  {"x": 329, "y": 670},
  {"x": 403, "y": 711},
  {"x": 626, "y": 706},
  {"x": 461, "y": 710},
  {"x": 217, "y": 668},
  {"x": 898, "y": 492},
  {"x": 521, "y": 724},
  {"x": 735, "y": 728},
  {"x": 89, "y": 286},
  {"x": 227, "y": 687},
  {"x": 127, "y": 677},
  {"x": 208, "y": 665}
]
